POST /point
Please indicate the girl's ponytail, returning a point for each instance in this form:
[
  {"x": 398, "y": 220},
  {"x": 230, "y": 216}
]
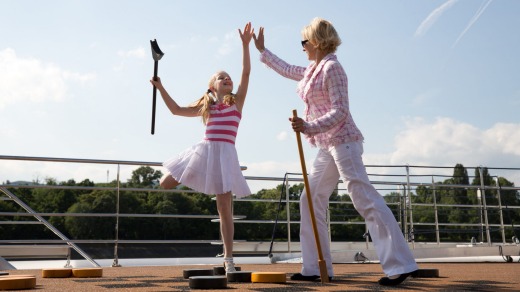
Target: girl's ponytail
[{"x": 203, "y": 104}]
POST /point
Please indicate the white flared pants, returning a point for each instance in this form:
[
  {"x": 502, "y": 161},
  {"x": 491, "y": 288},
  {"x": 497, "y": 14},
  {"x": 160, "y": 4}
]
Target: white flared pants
[{"x": 345, "y": 161}]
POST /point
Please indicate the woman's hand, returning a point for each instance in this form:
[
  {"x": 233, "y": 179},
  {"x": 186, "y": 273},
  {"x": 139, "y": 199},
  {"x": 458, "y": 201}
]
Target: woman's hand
[
  {"x": 297, "y": 124},
  {"x": 259, "y": 41}
]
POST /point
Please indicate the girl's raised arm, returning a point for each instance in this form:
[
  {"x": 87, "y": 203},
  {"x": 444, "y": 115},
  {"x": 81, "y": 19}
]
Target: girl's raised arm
[{"x": 246, "y": 37}]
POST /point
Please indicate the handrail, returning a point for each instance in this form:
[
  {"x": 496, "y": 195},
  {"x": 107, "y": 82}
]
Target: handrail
[
  {"x": 48, "y": 225},
  {"x": 402, "y": 184}
]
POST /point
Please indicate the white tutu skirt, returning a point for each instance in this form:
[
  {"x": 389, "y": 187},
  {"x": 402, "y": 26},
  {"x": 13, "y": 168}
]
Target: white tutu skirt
[{"x": 209, "y": 167}]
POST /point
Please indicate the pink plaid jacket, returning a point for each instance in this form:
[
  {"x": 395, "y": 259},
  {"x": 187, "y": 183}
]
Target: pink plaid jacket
[{"x": 324, "y": 90}]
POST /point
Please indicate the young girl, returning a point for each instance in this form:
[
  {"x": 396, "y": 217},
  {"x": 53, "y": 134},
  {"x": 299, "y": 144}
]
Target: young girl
[{"x": 211, "y": 166}]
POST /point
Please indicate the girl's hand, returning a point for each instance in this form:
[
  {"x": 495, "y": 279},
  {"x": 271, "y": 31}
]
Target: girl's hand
[
  {"x": 259, "y": 41},
  {"x": 157, "y": 83},
  {"x": 248, "y": 33}
]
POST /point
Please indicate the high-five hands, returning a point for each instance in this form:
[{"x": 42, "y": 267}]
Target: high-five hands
[{"x": 259, "y": 40}]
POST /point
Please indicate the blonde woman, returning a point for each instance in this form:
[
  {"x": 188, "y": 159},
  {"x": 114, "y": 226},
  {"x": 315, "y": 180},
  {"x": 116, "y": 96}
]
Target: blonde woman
[
  {"x": 211, "y": 166},
  {"x": 328, "y": 125}
]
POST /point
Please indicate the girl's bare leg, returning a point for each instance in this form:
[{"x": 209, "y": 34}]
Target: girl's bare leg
[
  {"x": 168, "y": 182},
  {"x": 227, "y": 229}
]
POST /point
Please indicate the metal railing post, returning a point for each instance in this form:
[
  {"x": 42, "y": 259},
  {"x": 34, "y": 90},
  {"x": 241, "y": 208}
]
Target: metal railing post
[
  {"x": 288, "y": 211},
  {"x": 399, "y": 204},
  {"x": 116, "y": 259},
  {"x": 405, "y": 205},
  {"x": 500, "y": 213},
  {"x": 436, "y": 213},
  {"x": 483, "y": 195}
]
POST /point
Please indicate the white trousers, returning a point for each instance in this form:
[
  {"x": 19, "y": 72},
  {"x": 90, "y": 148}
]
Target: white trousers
[{"x": 345, "y": 161}]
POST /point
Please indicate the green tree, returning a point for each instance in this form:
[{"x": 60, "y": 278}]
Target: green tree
[
  {"x": 145, "y": 176},
  {"x": 58, "y": 200},
  {"x": 93, "y": 227},
  {"x": 509, "y": 198}
]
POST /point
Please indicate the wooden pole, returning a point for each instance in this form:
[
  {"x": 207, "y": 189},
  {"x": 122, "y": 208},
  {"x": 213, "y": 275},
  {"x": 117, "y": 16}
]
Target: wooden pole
[{"x": 321, "y": 262}]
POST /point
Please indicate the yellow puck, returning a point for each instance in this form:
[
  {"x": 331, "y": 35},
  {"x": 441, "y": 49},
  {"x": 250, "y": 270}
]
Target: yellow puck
[
  {"x": 56, "y": 273},
  {"x": 268, "y": 277},
  {"x": 17, "y": 282},
  {"x": 87, "y": 273}
]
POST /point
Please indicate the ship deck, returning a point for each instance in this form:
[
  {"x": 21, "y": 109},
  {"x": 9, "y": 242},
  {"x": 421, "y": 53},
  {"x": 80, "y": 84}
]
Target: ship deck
[{"x": 348, "y": 277}]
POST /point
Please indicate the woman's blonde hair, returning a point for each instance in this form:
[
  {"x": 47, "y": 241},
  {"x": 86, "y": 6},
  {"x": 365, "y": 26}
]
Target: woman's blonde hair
[
  {"x": 322, "y": 34},
  {"x": 208, "y": 99}
]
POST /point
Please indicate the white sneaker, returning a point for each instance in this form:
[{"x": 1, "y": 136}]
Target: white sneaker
[{"x": 229, "y": 266}]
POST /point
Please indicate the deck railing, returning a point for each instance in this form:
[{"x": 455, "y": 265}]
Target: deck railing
[{"x": 399, "y": 180}]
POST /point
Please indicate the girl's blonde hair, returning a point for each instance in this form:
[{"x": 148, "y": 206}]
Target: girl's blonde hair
[
  {"x": 322, "y": 34},
  {"x": 208, "y": 99}
]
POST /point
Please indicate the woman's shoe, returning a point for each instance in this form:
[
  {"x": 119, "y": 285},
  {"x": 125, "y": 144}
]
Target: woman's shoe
[
  {"x": 300, "y": 277},
  {"x": 386, "y": 281}
]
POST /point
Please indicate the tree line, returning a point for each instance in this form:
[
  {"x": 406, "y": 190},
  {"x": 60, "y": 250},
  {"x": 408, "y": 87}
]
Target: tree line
[{"x": 78, "y": 200}]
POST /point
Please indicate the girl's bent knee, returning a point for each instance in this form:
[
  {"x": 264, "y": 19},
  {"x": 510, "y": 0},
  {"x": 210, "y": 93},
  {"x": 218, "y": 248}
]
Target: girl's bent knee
[{"x": 168, "y": 182}]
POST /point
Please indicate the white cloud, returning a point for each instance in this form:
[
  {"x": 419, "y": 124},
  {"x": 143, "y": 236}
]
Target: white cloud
[
  {"x": 195, "y": 38},
  {"x": 138, "y": 53},
  {"x": 446, "y": 142},
  {"x": 425, "y": 97},
  {"x": 232, "y": 35},
  {"x": 135, "y": 53},
  {"x": 503, "y": 138},
  {"x": 228, "y": 44},
  {"x": 225, "y": 49},
  {"x": 432, "y": 17},
  {"x": 29, "y": 79},
  {"x": 443, "y": 141},
  {"x": 282, "y": 136}
]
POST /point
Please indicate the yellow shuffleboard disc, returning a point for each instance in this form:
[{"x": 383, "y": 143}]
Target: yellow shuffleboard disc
[
  {"x": 56, "y": 273},
  {"x": 87, "y": 273},
  {"x": 17, "y": 282},
  {"x": 268, "y": 277}
]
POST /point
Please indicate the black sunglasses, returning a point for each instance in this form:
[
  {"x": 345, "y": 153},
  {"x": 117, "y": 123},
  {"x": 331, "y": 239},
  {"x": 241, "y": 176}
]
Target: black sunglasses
[{"x": 304, "y": 42}]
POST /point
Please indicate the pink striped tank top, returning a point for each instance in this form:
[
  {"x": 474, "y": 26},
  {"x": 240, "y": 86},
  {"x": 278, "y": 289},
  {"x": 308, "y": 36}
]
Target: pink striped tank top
[{"x": 223, "y": 123}]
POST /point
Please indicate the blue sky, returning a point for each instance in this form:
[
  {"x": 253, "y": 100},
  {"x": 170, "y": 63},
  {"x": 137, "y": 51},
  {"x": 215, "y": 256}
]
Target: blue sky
[{"x": 432, "y": 82}]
